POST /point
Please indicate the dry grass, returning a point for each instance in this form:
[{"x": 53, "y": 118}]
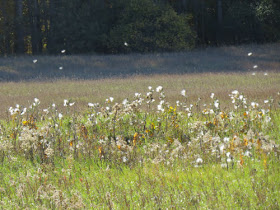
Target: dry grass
[
  {"x": 98, "y": 77},
  {"x": 258, "y": 87}
]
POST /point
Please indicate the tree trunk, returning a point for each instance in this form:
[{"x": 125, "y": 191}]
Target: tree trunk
[
  {"x": 202, "y": 14},
  {"x": 19, "y": 44},
  {"x": 35, "y": 26},
  {"x": 184, "y": 5},
  {"x": 220, "y": 21},
  {"x": 4, "y": 47},
  {"x": 50, "y": 35},
  {"x": 45, "y": 23}
]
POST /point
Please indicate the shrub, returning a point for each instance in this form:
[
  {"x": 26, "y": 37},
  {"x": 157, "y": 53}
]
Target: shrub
[{"x": 149, "y": 27}]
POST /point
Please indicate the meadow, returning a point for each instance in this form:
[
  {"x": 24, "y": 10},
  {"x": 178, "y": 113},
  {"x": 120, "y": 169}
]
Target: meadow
[{"x": 179, "y": 141}]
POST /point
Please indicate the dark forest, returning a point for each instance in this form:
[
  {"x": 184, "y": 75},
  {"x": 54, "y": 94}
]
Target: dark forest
[{"x": 125, "y": 26}]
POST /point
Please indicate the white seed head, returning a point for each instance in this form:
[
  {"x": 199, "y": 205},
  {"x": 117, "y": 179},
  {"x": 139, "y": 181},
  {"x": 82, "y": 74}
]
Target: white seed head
[
  {"x": 65, "y": 102},
  {"x": 137, "y": 95},
  {"x": 159, "y": 89},
  {"x": 247, "y": 153},
  {"x": 199, "y": 161},
  {"x": 125, "y": 101},
  {"x": 124, "y": 159},
  {"x": 223, "y": 165},
  {"x": 216, "y": 104},
  {"x": 60, "y": 116}
]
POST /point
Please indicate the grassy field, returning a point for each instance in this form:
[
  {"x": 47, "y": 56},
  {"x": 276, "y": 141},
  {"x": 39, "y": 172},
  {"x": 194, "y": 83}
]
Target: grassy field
[
  {"x": 134, "y": 155},
  {"x": 258, "y": 88},
  {"x": 92, "y": 78},
  {"x": 190, "y": 141}
]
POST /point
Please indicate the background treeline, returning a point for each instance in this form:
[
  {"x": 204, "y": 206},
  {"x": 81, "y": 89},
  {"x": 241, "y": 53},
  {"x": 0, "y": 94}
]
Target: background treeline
[{"x": 103, "y": 26}]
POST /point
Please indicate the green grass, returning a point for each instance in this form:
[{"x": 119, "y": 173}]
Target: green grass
[{"x": 77, "y": 184}]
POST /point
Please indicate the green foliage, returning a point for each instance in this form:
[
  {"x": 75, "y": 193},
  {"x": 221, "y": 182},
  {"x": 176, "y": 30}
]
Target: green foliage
[
  {"x": 251, "y": 21},
  {"x": 148, "y": 27},
  {"x": 268, "y": 13}
]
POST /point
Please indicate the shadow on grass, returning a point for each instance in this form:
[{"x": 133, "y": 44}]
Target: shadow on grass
[{"x": 223, "y": 59}]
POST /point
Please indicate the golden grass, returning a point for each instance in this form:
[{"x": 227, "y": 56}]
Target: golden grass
[{"x": 258, "y": 88}]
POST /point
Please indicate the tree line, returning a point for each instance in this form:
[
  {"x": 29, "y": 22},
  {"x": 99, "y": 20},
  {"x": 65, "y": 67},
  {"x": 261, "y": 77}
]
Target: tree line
[{"x": 123, "y": 26}]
